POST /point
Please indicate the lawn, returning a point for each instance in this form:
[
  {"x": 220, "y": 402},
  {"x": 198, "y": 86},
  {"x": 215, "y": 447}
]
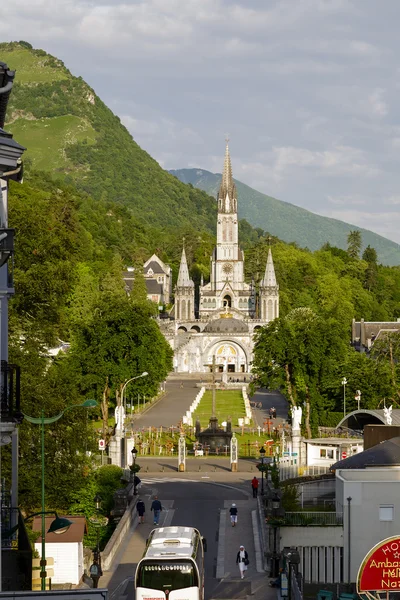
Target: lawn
[
  {"x": 46, "y": 139},
  {"x": 30, "y": 67},
  {"x": 229, "y": 407}
]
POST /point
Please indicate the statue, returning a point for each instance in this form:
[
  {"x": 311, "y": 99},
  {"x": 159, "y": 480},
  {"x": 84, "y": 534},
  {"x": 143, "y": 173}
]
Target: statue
[
  {"x": 296, "y": 417},
  {"x": 119, "y": 417},
  {"x": 388, "y": 414}
]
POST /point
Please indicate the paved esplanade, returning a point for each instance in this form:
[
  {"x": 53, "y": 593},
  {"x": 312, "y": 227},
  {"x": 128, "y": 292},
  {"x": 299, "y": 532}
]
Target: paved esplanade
[
  {"x": 199, "y": 501},
  {"x": 171, "y": 408},
  {"x": 177, "y": 400}
]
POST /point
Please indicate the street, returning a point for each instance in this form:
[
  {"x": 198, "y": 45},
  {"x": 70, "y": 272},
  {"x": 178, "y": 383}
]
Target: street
[{"x": 199, "y": 502}]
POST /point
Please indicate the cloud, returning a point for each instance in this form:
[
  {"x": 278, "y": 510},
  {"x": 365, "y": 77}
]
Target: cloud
[{"x": 308, "y": 90}]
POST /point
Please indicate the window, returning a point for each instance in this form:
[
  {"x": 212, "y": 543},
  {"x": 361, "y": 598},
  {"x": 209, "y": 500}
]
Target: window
[
  {"x": 386, "y": 512},
  {"x": 326, "y": 453}
]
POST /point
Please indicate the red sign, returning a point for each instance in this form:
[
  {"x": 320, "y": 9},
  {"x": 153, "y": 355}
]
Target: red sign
[
  {"x": 344, "y": 454},
  {"x": 380, "y": 569}
]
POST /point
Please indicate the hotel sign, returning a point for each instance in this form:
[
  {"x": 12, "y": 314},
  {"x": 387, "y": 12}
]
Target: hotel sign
[{"x": 380, "y": 569}]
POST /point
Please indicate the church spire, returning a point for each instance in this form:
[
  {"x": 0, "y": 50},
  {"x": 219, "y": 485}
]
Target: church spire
[
  {"x": 183, "y": 276},
  {"x": 269, "y": 276},
  {"x": 227, "y": 187}
]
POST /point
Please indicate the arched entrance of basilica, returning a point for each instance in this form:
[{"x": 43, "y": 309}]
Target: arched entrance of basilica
[{"x": 230, "y": 357}]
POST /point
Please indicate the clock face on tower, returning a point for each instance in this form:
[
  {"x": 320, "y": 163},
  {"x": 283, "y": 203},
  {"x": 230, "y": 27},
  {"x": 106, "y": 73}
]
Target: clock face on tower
[{"x": 227, "y": 268}]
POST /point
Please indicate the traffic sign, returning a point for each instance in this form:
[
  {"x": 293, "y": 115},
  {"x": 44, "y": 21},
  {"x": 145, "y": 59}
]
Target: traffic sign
[
  {"x": 102, "y": 444},
  {"x": 344, "y": 454}
]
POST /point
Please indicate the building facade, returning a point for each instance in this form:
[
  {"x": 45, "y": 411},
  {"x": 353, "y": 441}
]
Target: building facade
[{"x": 228, "y": 312}]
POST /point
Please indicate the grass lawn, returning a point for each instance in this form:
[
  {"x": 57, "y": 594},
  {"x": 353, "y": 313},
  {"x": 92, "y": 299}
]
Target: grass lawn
[
  {"x": 229, "y": 407},
  {"x": 46, "y": 139},
  {"x": 30, "y": 67}
]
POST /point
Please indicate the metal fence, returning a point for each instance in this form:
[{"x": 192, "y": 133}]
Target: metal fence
[
  {"x": 302, "y": 519},
  {"x": 293, "y": 471}
]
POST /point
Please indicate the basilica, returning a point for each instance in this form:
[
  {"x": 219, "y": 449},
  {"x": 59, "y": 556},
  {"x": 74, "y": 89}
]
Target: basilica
[{"x": 222, "y": 326}]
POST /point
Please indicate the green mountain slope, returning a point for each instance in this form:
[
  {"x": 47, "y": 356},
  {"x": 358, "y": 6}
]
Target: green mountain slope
[
  {"x": 288, "y": 222},
  {"x": 70, "y": 132}
]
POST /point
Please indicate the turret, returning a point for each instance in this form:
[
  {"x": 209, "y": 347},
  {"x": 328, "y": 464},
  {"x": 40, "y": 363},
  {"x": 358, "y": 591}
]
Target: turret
[
  {"x": 269, "y": 292},
  {"x": 184, "y": 292}
]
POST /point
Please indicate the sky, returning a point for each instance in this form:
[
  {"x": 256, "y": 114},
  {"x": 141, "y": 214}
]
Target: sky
[{"x": 306, "y": 90}]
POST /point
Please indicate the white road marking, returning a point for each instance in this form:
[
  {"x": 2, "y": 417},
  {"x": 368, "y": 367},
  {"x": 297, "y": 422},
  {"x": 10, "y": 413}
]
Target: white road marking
[
  {"x": 257, "y": 545},
  {"x": 221, "y": 545}
]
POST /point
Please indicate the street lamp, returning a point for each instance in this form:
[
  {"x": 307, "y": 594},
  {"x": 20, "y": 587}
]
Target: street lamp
[
  {"x": 262, "y": 455},
  {"x": 42, "y": 421},
  {"x": 144, "y": 374},
  {"x": 95, "y": 569},
  {"x": 344, "y": 383},
  {"x": 293, "y": 558},
  {"x": 276, "y": 513},
  {"x": 134, "y": 454}
]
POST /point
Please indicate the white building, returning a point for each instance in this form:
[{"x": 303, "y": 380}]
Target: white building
[
  {"x": 66, "y": 549},
  {"x": 229, "y": 309},
  {"x": 367, "y": 512}
]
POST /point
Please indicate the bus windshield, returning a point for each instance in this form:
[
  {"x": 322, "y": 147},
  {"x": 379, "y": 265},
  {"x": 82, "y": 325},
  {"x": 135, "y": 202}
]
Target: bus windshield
[{"x": 167, "y": 575}]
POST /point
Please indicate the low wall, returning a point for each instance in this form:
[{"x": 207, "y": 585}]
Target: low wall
[
  {"x": 117, "y": 537},
  {"x": 262, "y": 527}
]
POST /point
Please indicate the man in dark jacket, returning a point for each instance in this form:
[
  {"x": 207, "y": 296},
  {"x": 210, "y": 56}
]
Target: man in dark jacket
[
  {"x": 156, "y": 507},
  {"x": 141, "y": 509},
  {"x": 233, "y": 511}
]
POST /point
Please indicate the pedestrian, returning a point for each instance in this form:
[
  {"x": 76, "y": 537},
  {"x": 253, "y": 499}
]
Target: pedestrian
[
  {"x": 242, "y": 560},
  {"x": 233, "y": 511},
  {"x": 141, "y": 509},
  {"x": 273, "y": 412},
  {"x": 254, "y": 486},
  {"x": 156, "y": 507}
]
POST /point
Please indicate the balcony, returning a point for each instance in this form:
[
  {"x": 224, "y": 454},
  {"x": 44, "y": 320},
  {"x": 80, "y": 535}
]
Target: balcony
[{"x": 307, "y": 519}]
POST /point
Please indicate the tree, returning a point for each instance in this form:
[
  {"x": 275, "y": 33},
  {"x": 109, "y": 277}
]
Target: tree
[
  {"x": 371, "y": 272},
  {"x": 119, "y": 340},
  {"x": 354, "y": 243}
]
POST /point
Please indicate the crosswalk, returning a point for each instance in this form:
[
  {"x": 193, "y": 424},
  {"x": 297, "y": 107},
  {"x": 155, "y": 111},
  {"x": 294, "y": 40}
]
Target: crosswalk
[{"x": 152, "y": 480}]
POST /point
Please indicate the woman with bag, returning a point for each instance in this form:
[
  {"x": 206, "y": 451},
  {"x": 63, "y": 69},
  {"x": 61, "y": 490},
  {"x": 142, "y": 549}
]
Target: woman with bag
[{"x": 242, "y": 559}]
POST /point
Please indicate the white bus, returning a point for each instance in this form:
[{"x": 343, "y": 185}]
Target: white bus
[{"x": 172, "y": 566}]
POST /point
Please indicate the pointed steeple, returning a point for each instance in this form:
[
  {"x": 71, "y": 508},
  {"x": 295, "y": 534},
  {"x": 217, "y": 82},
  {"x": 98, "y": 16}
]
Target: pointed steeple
[
  {"x": 227, "y": 187},
  {"x": 269, "y": 279},
  {"x": 183, "y": 276}
]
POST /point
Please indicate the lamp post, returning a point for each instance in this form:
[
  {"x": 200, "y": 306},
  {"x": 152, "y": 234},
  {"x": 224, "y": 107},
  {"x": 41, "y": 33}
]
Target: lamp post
[
  {"x": 144, "y": 374},
  {"x": 42, "y": 421},
  {"x": 95, "y": 569},
  {"x": 293, "y": 559},
  {"x": 344, "y": 383},
  {"x": 276, "y": 504},
  {"x": 262, "y": 455}
]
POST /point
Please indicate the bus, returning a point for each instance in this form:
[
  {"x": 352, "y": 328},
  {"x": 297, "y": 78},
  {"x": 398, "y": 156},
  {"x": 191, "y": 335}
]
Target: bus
[{"x": 172, "y": 566}]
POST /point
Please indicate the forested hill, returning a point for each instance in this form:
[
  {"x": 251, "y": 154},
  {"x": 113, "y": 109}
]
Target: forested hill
[
  {"x": 69, "y": 131},
  {"x": 289, "y": 222}
]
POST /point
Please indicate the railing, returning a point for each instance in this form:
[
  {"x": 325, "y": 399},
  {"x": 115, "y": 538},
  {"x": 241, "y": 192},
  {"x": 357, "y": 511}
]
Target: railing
[
  {"x": 288, "y": 471},
  {"x": 304, "y": 519}
]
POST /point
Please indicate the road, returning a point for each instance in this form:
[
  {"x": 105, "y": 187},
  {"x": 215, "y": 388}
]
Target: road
[
  {"x": 201, "y": 503},
  {"x": 171, "y": 408}
]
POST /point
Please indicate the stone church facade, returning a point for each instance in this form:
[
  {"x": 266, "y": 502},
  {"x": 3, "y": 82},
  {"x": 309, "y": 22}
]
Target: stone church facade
[{"x": 223, "y": 324}]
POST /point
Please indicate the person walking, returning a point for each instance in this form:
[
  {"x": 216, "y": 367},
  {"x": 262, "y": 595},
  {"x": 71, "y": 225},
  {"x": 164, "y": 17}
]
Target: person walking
[
  {"x": 254, "y": 486},
  {"x": 242, "y": 560},
  {"x": 156, "y": 507},
  {"x": 233, "y": 511},
  {"x": 141, "y": 509}
]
